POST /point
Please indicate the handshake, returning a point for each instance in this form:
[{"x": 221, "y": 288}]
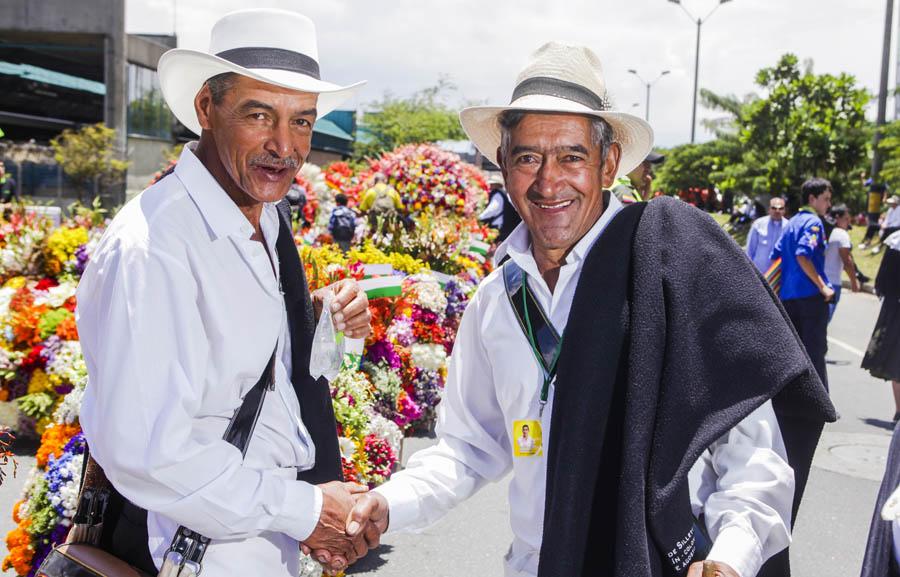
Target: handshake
[{"x": 351, "y": 523}]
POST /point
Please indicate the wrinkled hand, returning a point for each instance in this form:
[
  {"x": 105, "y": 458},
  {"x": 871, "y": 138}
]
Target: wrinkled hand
[
  {"x": 711, "y": 569},
  {"x": 349, "y": 308},
  {"x": 332, "y": 546},
  {"x": 366, "y": 522}
]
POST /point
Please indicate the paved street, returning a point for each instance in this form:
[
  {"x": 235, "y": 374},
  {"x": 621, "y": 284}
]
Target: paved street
[{"x": 830, "y": 533}]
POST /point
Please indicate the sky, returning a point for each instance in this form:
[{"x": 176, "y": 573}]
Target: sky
[{"x": 401, "y": 46}]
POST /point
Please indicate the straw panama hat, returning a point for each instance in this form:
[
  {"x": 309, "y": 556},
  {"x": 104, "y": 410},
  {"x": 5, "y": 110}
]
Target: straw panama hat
[
  {"x": 565, "y": 79},
  {"x": 273, "y": 46}
]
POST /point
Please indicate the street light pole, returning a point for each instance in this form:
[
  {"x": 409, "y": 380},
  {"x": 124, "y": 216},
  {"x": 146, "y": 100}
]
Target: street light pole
[
  {"x": 699, "y": 22},
  {"x": 882, "y": 91},
  {"x": 648, "y": 86},
  {"x": 696, "y": 82}
]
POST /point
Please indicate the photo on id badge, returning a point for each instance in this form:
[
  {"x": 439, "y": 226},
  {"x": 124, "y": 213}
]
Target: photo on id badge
[{"x": 527, "y": 439}]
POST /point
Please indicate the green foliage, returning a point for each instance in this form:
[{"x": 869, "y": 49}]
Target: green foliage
[
  {"x": 423, "y": 117},
  {"x": 88, "y": 155},
  {"x": 890, "y": 150},
  {"x": 95, "y": 212},
  {"x": 805, "y": 125},
  {"x": 808, "y": 125}
]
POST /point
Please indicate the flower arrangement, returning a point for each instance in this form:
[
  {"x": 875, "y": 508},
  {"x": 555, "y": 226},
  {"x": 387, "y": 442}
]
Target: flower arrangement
[{"x": 393, "y": 388}]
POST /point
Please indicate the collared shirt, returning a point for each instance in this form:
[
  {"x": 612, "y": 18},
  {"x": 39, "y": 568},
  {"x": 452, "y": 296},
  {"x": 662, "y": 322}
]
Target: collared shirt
[
  {"x": 178, "y": 313},
  {"x": 764, "y": 233},
  {"x": 494, "y": 380},
  {"x": 803, "y": 236}
]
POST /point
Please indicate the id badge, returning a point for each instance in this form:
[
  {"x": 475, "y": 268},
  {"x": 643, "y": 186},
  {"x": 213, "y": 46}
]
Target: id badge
[{"x": 527, "y": 439}]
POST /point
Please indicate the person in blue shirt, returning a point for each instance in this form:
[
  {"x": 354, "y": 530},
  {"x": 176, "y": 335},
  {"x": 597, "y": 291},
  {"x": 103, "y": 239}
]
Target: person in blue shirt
[
  {"x": 764, "y": 233},
  {"x": 805, "y": 290}
]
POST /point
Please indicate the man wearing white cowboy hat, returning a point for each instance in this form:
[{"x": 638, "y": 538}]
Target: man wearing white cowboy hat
[
  {"x": 194, "y": 284},
  {"x": 660, "y": 444}
]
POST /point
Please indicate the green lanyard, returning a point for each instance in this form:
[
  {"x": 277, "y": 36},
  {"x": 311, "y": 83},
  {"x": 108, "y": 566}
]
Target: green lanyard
[{"x": 549, "y": 372}]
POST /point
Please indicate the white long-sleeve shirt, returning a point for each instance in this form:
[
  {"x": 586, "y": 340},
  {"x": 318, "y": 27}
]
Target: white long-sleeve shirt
[
  {"x": 178, "y": 314},
  {"x": 764, "y": 233},
  {"x": 743, "y": 486}
]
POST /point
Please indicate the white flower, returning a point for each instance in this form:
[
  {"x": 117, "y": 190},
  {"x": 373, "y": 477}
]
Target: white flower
[
  {"x": 430, "y": 357},
  {"x": 429, "y": 294},
  {"x": 385, "y": 429},
  {"x": 68, "y": 410},
  {"x": 348, "y": 447},
  {"x": 9, "y": 415},
  {"x": 6, "y": 294},
  {"x": 56, "y": 297}
]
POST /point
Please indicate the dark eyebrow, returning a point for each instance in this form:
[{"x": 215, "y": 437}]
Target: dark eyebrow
[
  {"x": 251, "y": 104},
  {"x": 519, "y": 148},
  {"x": 576, "y": 148},
  {"x": 570, "y": 148}
]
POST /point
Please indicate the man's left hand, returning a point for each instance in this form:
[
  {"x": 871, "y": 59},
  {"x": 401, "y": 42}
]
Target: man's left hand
[
  {"x": 349, "y": 308},
  {"x": 711, "y": 569}
]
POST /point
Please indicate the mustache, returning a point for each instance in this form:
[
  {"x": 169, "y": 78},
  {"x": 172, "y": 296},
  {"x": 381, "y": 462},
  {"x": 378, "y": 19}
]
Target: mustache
[{"x": 270, "y": 161}]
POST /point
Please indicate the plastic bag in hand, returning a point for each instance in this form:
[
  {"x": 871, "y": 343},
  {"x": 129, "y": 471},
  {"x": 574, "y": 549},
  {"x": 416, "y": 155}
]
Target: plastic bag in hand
[{"x": 328, "y": 345}]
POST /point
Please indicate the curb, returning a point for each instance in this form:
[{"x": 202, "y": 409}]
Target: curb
[{"x": 845, "y": 284}]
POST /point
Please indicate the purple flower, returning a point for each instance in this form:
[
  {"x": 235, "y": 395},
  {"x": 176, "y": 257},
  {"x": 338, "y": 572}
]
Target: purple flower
[
  {"x": 82, "y": 258},
  {"x": 383, "y": 351}
]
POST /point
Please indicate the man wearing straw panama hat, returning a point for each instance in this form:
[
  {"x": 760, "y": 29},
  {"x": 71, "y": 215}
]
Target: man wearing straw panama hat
[
  {"x": 660, "y": 444},
  {"x": 194, "y": 284}
]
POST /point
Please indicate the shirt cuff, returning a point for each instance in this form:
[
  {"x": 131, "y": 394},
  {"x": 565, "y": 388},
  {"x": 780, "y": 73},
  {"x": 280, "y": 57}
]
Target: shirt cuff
[
  {"x": 300, "y": 510},
  {"x": 739, "y": 548},
  {"x": 403, "y": 505}
]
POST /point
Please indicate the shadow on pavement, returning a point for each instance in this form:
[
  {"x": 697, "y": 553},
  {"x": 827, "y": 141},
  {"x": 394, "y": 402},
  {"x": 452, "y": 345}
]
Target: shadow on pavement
[
  {"x": 372, "y": 561},
  {"x": 880, "y": 423},
  {"x": 837, "y": 363}
]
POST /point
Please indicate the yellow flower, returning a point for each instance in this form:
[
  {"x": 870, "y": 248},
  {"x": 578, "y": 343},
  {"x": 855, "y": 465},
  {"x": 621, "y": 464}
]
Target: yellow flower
[
  {"x": 39, "y": 382},
  {"x": 62, "y": 244},
  {"x": 15, "y": 282}
]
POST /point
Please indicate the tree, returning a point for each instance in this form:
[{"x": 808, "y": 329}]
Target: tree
[
  {"x": 806, "y": 125},
  {"x": 423, "y": 117},
  {"x": 890, "y": 148},
  {"x": 87, "y": 156}
]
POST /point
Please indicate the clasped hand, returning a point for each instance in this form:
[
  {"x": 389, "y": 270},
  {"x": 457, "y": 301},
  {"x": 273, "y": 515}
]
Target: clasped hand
[{"x": 351, "y": 523}]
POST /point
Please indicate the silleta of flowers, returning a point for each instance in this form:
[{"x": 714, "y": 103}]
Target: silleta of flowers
[{"x": 419, "y": 277}]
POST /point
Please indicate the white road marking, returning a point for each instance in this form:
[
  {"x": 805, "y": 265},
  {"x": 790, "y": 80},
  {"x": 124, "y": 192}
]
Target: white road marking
[{"x": 844, "y": 345}]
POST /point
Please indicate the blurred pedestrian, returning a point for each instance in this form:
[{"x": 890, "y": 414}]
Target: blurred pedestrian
[
  {"x": 342, "y": 223},
  {"x": 382, "y": 202},
  {"x": 805, "y": 290},
  {"x": 764, "y": 233},
  {"x": 499, "y": 214},
  {"x": 838, "y": 257},
  {"x": 882, "y": 358},
  {"x": 891, "y": 222},
  {"x": 637, "y": 186},
  {"x": 874, "y": 200},
  {"x": 8, "y": 190}
]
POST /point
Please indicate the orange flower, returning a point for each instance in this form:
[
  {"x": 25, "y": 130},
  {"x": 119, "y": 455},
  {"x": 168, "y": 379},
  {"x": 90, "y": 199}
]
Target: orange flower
[
  {"x": 21, "y": 553},
  {"x": 67, "y": 330},
  {"x": 53, "y": 440}
]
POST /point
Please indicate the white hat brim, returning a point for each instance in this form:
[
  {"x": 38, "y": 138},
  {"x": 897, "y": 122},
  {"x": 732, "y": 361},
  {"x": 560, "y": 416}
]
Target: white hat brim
[
  {"x": 183, "y": 72},
  {"x": 633, "y": 134}
]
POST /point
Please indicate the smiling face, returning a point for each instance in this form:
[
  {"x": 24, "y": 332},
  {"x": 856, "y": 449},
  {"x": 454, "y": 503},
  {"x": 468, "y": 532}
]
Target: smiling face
[
  {"x": 555, "y": 177},
  {"x": 525, "y": 431},
  {"x": 261, "y": 135}
]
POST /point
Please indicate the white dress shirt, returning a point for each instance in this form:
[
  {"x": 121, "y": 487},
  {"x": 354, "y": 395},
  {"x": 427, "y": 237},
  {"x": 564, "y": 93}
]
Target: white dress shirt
[
  {"x": 744, "y": 487},
  {"x": 178, "y": 313},
  {"x": 764, "y": 233}
]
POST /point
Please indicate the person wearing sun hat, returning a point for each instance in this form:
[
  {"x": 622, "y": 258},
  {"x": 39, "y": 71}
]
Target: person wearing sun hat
[
  {"x": 194, "y": 284},
  {"x": 625, "y": 339}
]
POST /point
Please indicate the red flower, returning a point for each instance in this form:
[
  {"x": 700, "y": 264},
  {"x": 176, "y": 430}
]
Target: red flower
[{"x": 46, "y": 283}]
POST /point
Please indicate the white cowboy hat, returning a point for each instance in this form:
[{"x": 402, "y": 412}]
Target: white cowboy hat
[
  {"x": 273, "y": 46},
  {"x": 564, "y": 79}
]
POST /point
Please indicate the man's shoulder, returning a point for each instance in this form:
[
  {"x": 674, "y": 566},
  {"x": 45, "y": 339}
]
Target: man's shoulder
[{"x": 160, "y": 214}]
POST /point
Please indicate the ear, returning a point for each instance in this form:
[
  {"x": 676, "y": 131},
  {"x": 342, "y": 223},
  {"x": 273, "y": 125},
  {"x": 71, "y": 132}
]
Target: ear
[
  {"x": 203, "y": 106},
  {"x": 501, "y": 164},
  {"x": 611, "y": 165}
]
